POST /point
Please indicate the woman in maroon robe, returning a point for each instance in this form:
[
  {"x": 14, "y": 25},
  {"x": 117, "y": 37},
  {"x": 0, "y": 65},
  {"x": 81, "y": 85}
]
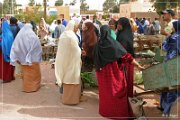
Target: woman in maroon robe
[
  {"x": 6, "y": 70},
  {"x": 108, "y": 58},
  {"x": 125, "y": 37}
]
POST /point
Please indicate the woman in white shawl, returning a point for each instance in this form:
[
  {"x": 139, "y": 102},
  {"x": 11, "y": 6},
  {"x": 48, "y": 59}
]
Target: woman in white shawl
[
  {"x": 68, "y": 64},
  {"x": 43, "y": 30},
  {"x": 26, "y": 50}
]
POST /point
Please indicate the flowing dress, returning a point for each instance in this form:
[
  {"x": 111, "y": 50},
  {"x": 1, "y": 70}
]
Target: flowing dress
[
  {"x": 27, "y": 51},
  {"x": 68, "y": 65},
  {"x": 113, "y": 97},
  {"x": 6, "y": 70},
  {"x": 125, "y": 37}
]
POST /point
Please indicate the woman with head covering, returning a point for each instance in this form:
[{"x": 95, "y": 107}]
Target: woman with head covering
[
  {"x": 125, "y": 37},
  {"x": 68, "y": 64},
  {"x": 113, "y": 25},
  {"x": 172, "y": 46},
  {"x": 6, "y": 70},
  {"x": 27, "y": 51},
  {"x": 133, "y": 25},
  {"x": 14, "y": 26},
  {"x": 43, "y": 30},
  {"x": 89, "y": 38},
  {"x": 52, "y": 27},
  {"x": 108, "y": 58},
  {"x": 15, "y": 29}
]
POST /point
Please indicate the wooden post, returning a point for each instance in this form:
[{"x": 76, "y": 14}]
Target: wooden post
[{"x": 45, "y": 5}]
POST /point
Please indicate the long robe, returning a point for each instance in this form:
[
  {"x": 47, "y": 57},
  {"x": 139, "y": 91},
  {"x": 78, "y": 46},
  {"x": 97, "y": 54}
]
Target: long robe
[
  {"x": 68, "y": 65},
  {"x": 6, "y": 70},
  {"x": 27, "y": 50},
  {"x": 125, "y": 37},
  {"x": 113, "y": 97}
]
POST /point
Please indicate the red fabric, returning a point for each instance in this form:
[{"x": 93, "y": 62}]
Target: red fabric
[
  {"x": 130, "y": 78},
  {"x": 6, "y": 70},
  {"x": 127, "y": 59},
  {"x": 111, "y": 82}
]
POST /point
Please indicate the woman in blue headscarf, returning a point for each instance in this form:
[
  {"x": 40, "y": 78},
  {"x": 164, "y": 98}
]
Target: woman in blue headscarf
[{"x": 6, "y": 70}]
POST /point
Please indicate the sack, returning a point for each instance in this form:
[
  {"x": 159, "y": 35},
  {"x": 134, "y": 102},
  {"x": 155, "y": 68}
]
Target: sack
[{"x": 137, "y": 106}]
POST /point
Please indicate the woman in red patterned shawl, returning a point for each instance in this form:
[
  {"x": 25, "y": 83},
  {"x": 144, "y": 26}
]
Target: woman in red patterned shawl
[{"x": 108, "y": 57}]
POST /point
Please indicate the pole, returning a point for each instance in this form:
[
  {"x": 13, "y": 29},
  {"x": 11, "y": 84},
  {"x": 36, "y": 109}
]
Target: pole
[
  {"x": 12, "y": 7},
  {"x": 45, "y": 5}
]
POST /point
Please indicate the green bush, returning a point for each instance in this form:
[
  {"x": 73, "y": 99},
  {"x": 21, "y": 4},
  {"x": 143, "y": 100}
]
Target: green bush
[{"x": 87, "y": 78}]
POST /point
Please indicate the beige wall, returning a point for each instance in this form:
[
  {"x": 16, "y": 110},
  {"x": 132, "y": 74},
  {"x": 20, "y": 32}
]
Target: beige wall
[
  {"x": 139, "y": 6},
  {"x": 125, "y": 10},
  {"x": 63, "y": 11},
  {"x": 151, "y": 15}
]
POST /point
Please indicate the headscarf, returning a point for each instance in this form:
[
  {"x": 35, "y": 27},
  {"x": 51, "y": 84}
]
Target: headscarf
[
  {"x": 70, "y": 26},
  {"x": 125, "y": 36},
  {"x": 69, "y": 30},
  {"x": 89, "y": 38},
  {"x": 20, "y": 24},
  {"x": 7, "y": 40},
  {"x": 53, "y": 26},
  {"x": 107, "y": 50},
  {"x": 13, "y": 21},
  {"x": 43, "y": 23},
  {"x": 26, "y": 47},
  {"x": 68, "y": 57},
  {"x": 34, "y": 27},
  {"x": 113, "y": 22}
]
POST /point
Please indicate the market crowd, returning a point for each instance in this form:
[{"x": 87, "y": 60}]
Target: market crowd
[{"x": 109, "y": 48}]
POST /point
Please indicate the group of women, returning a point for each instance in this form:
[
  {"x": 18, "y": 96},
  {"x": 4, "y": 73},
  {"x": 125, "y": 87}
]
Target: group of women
[
  {"x": 20, "y": 48},
  {"x": 111, "y": 52},
  {"x": 113, "y": 60}
]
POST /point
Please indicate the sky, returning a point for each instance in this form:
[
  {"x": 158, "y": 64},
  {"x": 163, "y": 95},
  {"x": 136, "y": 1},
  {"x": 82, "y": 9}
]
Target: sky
[{"x": 93, "y": 4}]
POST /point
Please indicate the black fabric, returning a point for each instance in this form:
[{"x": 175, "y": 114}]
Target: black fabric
[
  {"x": 34, "y": 25},
  {"x": 106, "y": 49},
  {"x": 125, "y": 36}
]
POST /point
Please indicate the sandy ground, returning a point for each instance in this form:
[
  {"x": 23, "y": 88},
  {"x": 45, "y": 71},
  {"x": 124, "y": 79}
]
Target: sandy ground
[{"x": 46, "y": 103}]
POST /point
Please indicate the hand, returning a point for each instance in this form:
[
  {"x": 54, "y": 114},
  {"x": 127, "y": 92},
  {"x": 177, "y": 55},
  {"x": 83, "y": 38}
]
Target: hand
[
  {"x": 83, "y": 53},
  {"x": 18, "y": 62},
  {"x": 141, "y": 67}
]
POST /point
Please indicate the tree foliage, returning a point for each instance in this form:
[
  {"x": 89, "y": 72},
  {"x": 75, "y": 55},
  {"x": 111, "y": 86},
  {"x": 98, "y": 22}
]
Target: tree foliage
[
  {"x": 59, "y": 3},
  {"x": 1, "y": 8},
  {"x": 84, "y": 6},
  {"x": 34, "y": 17},
  {"x": 161, "y": 5},
  {"x": 111, "y": 6},
  {"x": 31, "y": 2},
  {"x": 9, "y": 6},
  {"x": 73, "y": 2}
]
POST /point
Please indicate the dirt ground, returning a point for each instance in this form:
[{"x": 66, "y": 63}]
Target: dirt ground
[{"x": 46, "y": 103}]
